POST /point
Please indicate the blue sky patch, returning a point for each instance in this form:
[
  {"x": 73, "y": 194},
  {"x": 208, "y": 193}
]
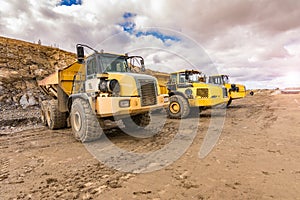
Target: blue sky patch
[
  {"x": 70, "y": 2},
  {"x": 127, "y": 15},
  {"x": 158, "y": 35},
  {"x": 130, "y": 27}
]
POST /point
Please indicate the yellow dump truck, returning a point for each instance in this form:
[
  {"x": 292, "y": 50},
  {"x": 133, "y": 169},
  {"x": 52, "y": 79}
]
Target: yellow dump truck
[
  {"x": 97, "y": 88},
  {"x": 235, "y": 91},
  {"x": 188, "y": 91}
]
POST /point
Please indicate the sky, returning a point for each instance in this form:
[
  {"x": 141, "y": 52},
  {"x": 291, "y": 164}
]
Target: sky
[{"x": 257, "y": 43}]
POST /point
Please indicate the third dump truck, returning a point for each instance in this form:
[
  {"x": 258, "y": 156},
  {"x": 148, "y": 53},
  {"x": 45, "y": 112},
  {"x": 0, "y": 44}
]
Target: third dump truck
[{"x": 235, "y": 91}]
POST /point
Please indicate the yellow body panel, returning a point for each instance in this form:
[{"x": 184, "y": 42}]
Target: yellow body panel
[
  {"x": 200, "y": 102},
  {"x": 128, "y": 84},
  {"x": 163, "y": 89},
  {"x": 67, "y": 75},
  {"x": 215, "y": 95},
  {"x": 203, "y": 85},
  {"x": 234, "y": 94}
]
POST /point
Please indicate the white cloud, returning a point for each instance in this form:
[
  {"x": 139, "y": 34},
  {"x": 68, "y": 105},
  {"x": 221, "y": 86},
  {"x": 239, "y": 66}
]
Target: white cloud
[{"x": 254, "y": 42}]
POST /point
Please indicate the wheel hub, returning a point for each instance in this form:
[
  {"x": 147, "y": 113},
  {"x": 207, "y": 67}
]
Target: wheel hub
[
  {"x": 48, "y": 117},
  {"x": 77, "y": 121},
  {"x": 174, "y": 107}
]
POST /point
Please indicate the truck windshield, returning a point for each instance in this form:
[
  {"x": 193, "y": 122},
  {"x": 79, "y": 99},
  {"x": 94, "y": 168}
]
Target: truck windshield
[
  {"x": 192, "y": 77},
  {"x": 113, "y": 63},
  {"x": 220, "y": 80}
]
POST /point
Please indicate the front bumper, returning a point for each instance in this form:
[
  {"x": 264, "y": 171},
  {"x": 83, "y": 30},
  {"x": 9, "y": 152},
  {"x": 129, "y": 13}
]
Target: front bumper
[
  {"x": 207, "y": 102},
  {"x": 110, "y": 106},
  {"x": 237, "y": 95}
]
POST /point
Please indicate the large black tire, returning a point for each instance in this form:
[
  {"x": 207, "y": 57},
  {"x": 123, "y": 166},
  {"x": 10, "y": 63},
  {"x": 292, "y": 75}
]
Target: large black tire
[
  {"x": 137, "y": 121},
  {"x": 85, "y": 125},
  {"x": 229, "y": 102},
  {"x": 54, "y": 118},
  {"x": 178, "y": 107}
]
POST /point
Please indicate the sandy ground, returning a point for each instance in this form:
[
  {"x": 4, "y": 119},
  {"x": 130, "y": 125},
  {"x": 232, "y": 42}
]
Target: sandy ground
[{"x": 256, "y": 157}]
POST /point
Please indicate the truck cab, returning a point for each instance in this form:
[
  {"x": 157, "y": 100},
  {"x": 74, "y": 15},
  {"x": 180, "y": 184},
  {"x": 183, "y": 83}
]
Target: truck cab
[
  {"x": 116, "y": 88},
  {"x": 235, "y": 91}
]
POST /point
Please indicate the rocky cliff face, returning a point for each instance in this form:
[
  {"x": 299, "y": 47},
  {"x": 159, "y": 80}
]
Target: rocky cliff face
[{"x": 21, "y": 65}]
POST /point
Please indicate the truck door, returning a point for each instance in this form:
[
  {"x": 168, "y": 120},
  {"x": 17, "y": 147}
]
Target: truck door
[{"x": 92, "y": 83}]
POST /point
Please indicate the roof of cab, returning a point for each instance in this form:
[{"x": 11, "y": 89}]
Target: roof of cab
[
  {"x": 189, "y": 70},
  {"x": 104, "y": 53},
  {"x": 216, "y": 75}
]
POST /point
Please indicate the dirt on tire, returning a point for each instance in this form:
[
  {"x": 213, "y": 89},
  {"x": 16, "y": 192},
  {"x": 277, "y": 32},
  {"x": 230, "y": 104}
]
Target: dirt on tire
[
  {"x": 183, "y": 109},
  {"x": 85, "y": 125},
  {"x": 54, "y": 118}
]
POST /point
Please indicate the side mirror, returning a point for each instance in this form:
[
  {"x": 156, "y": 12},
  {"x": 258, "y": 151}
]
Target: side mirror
[
  {"x": 143, "y": 66},
  {"x": 80, "y": 54},
  {"x": 186, "y": 75}
]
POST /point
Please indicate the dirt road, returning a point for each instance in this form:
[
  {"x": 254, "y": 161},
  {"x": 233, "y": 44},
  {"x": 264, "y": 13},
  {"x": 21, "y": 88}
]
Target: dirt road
[{"x": 256, "y": 157}]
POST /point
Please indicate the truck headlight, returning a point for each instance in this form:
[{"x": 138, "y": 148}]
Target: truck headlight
[
  {"x": 111, "y": 86},
  {"x": 189, "y": 93},
  {"x": 124, "y": 103},
  {"x": 166, "y": 99}
]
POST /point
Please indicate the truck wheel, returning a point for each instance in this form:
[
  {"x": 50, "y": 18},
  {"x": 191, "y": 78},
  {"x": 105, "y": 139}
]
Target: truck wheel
[
  {"x": 137, "y": 121},
  {"x": 229, "y": 102},
  {"x": 85, "y": 125},
  {"x": 54, "y": 118},
  {"x": 178, "y": 107}
]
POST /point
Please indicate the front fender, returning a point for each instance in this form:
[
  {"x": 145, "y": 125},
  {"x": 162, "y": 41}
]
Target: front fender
[
  {"x": 83, "y": 96},
  {"x": 177, "y": 93}
]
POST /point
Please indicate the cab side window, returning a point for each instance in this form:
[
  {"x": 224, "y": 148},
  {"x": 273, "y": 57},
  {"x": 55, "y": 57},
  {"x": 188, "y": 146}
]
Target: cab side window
[
  {"x": 181, "y": 78},
  {"x": 173, "y": 78},
  {"x": 91, "y": 68}
]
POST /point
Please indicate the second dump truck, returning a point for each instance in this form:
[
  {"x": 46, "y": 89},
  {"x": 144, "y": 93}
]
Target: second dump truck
[
  {"x": 97, "y": 88},
  {"x": 187, "y": 90}
]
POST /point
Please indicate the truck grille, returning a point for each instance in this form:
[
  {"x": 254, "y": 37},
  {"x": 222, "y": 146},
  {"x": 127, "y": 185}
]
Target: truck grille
[
  {"x": 148, "y": 92},
  {"x": 202, "y": 92}
]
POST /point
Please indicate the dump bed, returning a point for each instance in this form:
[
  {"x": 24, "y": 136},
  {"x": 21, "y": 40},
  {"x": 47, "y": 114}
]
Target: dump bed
[
  {"x": 162, "y": 79},
  {"x": 64, "y": 79},
  {"x": 49, "y": 85}
]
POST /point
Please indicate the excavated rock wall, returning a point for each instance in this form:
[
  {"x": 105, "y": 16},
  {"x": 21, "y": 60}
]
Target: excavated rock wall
[{"x": 21, "y": 65}]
